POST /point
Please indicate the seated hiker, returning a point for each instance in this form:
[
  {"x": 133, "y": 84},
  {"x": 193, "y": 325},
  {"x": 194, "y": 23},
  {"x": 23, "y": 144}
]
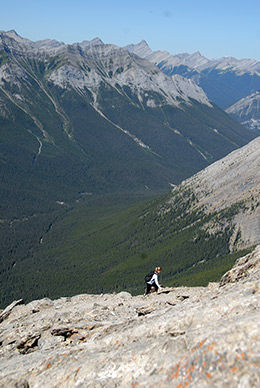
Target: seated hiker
[{"x": 152, "y": 281}]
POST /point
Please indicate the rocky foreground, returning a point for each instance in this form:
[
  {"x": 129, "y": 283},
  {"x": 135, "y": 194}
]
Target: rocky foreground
[{"x": 183, "y": 337}]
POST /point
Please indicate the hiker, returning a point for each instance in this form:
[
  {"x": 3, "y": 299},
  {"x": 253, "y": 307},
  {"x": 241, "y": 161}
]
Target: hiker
[{"x": 152, "y": 281}]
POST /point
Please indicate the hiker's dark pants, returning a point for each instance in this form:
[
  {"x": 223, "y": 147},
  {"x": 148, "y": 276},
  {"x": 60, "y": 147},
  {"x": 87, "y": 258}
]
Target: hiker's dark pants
[{"x": 149, "y": 286}]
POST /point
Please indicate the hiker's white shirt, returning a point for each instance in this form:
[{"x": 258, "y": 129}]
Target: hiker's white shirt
[{"x": 155, "y": 280}]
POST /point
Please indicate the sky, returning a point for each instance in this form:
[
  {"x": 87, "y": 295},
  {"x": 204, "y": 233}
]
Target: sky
[{"x": 214, "y": 28}]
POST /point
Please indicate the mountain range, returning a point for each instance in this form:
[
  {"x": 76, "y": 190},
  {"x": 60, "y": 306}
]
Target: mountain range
[
  {"x": 87, "y": 131},
  {"x": 96, "y": 118},
  {"x": 225, "y": 80}
]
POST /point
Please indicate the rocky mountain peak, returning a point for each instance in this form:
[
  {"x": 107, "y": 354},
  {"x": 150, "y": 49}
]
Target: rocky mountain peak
[
  {"x": 87, "y": 43},
  {"x": 96, "y": 41},
  {"x": 15, "y": 42},
  {"x": 196, "y": 337},
  {"x": 13, "y": 34},
  {"x": 142, "y": 49}
]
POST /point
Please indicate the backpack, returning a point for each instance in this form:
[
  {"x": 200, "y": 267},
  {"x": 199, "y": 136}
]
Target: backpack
[{"x": 149, "y": 276}]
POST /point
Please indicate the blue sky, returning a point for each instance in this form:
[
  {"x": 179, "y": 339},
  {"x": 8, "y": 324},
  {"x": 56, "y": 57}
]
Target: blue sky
[{"x": 215, "y": 28}]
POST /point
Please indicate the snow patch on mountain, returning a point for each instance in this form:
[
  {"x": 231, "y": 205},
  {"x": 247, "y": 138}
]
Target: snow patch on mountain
[{"x": 253, "y": 124}]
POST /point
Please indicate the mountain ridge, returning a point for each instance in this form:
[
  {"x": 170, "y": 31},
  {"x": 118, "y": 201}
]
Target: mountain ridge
[
  {"x": 194, "y": 60},
  {"x": 106, "y": 81},
  {"x": 96, "y": 50},
  {"x": 224, "y": 80}
]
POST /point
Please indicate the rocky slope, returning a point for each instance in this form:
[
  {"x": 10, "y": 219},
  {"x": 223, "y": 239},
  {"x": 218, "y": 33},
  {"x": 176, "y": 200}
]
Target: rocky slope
[
  {"x": 192, "y": 337},
  {"x": 232, "y": 183},
  {"x": 247, "y": 111}
]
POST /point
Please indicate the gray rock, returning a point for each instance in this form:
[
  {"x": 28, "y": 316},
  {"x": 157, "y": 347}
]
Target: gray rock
[
  {"x": 243, "y": 268},
  {"x": 10, "y": 383},
  {"x": 194, "y": 337},
  {"x": 7, "y": 311}
]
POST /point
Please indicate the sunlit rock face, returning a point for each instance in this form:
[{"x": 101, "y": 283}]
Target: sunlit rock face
[
  {"x": 232, "y": 182},
  {"x": 247, "y": 111},
  {"x": 196, "y": 337}
]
